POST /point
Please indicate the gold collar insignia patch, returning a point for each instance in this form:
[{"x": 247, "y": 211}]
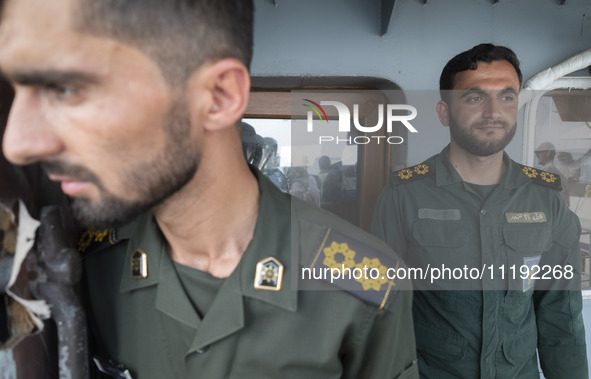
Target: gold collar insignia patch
[
  {"x": 139, "y": 264},
  {"x": 268, "y": 275}
]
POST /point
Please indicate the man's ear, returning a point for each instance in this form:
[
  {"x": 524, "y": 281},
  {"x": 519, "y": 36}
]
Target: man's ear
[
  {"x": 226, "y": 84},
  {"x": 443, "y": 112}
]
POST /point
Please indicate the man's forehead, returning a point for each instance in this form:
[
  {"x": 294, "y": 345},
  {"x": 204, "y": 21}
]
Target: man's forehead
[
  {"x": 39, "y": 13},
  {"x": 38, "y": 35},
  {"x": 497, "y": 75},
  {"x": 26, "y": 21}
]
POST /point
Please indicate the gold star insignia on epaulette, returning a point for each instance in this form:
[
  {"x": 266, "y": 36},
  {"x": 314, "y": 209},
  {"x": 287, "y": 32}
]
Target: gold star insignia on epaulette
[
  {"x": 404, "y": 174},
  {"x": 421, "y": 169},
  {"x": 542, "y": 178},
  {"x": 530, "y": 172},
  {"x": 340, "y": 251},
  {"x": 548, "y": 177},
  {"x": 96, "y": 239},
  {"x": 355, "y": 267},
  {"x": 413, "y": 173},
  {"x": 374, "y": 283}
]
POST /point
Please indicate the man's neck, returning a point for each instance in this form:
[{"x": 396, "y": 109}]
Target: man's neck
[
  {"x": 475, "y": 169},
  {"x": 210, "y": 222}
]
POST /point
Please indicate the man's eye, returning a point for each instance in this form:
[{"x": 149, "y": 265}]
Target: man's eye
[
  {"x": 508, "y": 98},
  {"x": 61, "y": 92},
  {"x": 474, "y": 99}
]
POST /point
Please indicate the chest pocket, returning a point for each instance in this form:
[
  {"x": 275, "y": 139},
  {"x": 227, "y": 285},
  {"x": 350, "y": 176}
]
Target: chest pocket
[
  {"x": 525, "y": 247},
  {"x": 527, "y": 241},
  {"x": 432, "y": 233},
  {"x": 439, "y": 244}
]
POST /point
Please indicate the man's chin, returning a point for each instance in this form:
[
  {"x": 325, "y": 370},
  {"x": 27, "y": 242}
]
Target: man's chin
[{"x": 105, "y": 214}]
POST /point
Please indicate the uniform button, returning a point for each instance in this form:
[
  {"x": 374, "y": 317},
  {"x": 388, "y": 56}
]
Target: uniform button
[
  {"x": 203, "y": 349},
  {"x": 483, "y": 212}
]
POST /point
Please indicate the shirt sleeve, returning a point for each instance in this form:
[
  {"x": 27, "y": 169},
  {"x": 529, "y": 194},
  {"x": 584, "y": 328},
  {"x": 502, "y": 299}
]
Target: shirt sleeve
[
  {"x": 561, "y": 334},
  {"x": 385, "y": 346}
]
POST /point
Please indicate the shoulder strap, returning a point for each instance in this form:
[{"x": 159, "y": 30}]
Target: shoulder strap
[
  {"x": 542, "y": 178},
  {"x": 410, "y": 174}
]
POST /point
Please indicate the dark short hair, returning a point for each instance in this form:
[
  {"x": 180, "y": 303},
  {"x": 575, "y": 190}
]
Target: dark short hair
[
  {"x": 180, "y": 35},
  {"x": 468, "y": 60}
]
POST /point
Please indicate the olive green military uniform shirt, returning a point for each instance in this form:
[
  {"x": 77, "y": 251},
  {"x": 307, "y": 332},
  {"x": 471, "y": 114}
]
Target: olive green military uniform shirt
[
  {"x": 472, "y": 326},
  {"x": 149, "y": 325}
]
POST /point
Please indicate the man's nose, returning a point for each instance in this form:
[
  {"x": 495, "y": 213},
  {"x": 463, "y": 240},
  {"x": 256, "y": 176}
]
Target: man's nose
[
  {"x": 491, "y": 108},
  {"x": 29, "y": 137}
]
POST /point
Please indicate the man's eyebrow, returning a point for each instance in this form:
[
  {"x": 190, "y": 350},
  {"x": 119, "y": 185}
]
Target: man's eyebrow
[
  {"x": 509, "y": 90},
  {"x": 42, "y": 78},
  {"x": 480, "y": 91},
  {"x": 471, "y": 91}
]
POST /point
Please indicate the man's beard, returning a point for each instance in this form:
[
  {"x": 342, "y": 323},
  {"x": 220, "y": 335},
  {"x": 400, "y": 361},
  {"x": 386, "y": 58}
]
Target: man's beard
[
  {"x": 154, "y": 180},
  {"x": 482, "y": 148}
]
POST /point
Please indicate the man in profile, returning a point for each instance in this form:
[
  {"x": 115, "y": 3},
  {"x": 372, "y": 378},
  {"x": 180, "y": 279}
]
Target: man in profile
[
  {"x": 133, "y": 107},
  {"x": 472, "y": 207}
]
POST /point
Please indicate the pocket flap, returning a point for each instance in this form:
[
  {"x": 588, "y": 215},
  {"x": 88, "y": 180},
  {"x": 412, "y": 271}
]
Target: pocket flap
[
  {"x": 531, "y": 239},
  {"x": 446, "y": 345},
  {"x": 439, "y": 233},
  {"x": 521, "y": 348}
]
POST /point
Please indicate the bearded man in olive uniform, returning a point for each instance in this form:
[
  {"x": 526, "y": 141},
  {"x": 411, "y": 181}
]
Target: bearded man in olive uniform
[
  {"x": 133, "y": 107},
  {"x": 488, "y": 220}
]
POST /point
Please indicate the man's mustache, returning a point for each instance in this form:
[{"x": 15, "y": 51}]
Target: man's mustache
[
  {"x": 71, "y": 171},
  {"x": 491, "y": 123}
]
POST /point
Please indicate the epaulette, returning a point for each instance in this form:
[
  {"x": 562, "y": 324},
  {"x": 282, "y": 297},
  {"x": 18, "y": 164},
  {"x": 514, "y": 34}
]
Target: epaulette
[
  {"x": 363, "y": 271},
  {"x": 410, "y": 174},
  {"x": 542, "y": 178},
  {"x": 91, "y": 241}
]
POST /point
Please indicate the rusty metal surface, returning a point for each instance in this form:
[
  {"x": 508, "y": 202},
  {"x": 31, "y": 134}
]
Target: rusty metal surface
[
  {"x": 60, "y": 270},
  {"x": 24, "y": 354},
  {"x": 51, "y": 272},
  {"x": 5, "y": 269}
]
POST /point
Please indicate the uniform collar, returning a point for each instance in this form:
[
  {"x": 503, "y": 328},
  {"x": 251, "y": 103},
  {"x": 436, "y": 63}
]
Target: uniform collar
[
  {"x": 446, "y": 173},
  {"x": 514, "y": 177},
  {"x": 143, "y": 234},
  {"x": 272, "y": 237}
]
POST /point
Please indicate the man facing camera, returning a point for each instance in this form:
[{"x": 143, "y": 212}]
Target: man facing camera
[
  {"x": 133, "y": 107},
  {"x": 493, "y": 224}
]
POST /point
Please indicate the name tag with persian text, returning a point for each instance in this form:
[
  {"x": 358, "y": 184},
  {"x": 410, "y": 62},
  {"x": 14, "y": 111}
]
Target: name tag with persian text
[{"x": 525, "y": 217}]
